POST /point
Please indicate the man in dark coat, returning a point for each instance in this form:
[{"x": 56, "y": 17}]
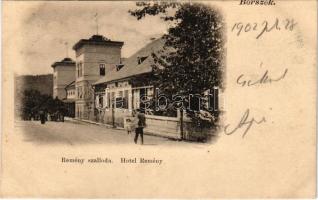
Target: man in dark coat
[
  {"x": 42, "y": 116},
  {"x": 140, "y": 125}
]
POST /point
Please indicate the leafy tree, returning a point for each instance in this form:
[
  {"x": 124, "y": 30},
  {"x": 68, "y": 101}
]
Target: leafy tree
[
  {"x": 191, "y": 59},
  {"x": 33, "y": 101}
]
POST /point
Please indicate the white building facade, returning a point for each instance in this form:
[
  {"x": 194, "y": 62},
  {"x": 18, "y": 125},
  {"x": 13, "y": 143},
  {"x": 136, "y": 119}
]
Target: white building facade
[{"x": 95, "y": 57}]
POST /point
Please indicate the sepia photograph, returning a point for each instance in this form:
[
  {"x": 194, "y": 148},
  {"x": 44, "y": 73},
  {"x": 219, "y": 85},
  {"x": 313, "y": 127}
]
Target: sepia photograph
[
  {"x": 121, "y": 76},
  {"x": 159, "y": 99}
]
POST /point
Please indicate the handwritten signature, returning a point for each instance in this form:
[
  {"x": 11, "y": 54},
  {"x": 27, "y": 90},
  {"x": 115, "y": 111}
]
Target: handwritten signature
[
  {"x": 265, "y": 79},
  {"x": 244, "y": 122}
]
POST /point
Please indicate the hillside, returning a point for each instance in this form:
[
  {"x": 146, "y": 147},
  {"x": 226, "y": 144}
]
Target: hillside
[{"x": 41, "y": 83}]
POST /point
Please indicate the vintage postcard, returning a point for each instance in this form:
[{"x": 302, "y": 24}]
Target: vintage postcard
[{"x": 159, "y": 99}]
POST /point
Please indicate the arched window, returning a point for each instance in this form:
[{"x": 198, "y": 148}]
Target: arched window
[{"x": 102, "y": 69}]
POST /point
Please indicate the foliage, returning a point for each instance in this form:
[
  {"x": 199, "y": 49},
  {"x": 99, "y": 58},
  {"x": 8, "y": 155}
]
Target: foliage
[
  {"x": 191, "y": 60},
  {"x": 33, "y": 102}
]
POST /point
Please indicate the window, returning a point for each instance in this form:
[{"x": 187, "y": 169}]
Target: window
[
  {"x": 143, "y": 98},
  {"x": 141, "y": 59},
  {"x": 102, "y": 69},
  {"x": 126, "y": 99},
  {"x": 119, "y": 100},
  {"x": 118, "y": 67},
  {"x": 79, "y": 69}
]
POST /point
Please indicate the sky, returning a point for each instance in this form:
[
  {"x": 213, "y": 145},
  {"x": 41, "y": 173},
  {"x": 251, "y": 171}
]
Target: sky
[{"x": 45, "y": 27}]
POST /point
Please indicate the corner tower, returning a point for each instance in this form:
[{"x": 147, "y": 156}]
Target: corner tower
[
  {"x": 64, "y": 74},
  {"x": 95, "y": 57}
]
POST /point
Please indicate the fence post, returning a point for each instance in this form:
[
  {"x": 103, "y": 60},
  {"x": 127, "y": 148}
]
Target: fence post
[{"x": 181, "y": 124}]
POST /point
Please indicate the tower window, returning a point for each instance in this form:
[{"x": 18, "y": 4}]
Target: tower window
[
  {"x": 79, "y": 69},
  {"x": 102, "y": 69}
]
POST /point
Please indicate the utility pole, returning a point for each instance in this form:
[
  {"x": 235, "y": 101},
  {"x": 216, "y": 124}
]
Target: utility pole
[{"x": 96, "y": 21}]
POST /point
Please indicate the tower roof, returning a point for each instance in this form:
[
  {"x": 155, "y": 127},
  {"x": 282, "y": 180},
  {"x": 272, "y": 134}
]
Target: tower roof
[
  {"x": 97, "y": 40},
  {"x": 64, "y": 62}
]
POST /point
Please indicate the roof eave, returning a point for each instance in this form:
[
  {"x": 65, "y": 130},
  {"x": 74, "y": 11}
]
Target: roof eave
[
  {"x": 62, "y": 64},
  {"x": 83, "y": 42},
  {"x": 122, "y": 79}
]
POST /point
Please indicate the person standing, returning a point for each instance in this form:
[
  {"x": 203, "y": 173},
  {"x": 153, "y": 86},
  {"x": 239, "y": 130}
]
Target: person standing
[
  {"x": 42, "y": 116},
  {"x": 140, "y": 125},
  {"x": 130, "y": 122}
]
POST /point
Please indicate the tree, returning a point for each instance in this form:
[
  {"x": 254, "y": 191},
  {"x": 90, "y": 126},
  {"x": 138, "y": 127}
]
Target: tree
[
  {"x": 191, "y": 60},
  {"x": 33, "y": 101}
]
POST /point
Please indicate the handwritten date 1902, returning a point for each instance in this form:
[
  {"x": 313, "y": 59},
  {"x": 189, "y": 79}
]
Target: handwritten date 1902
[{"x": 264, "y": 27}]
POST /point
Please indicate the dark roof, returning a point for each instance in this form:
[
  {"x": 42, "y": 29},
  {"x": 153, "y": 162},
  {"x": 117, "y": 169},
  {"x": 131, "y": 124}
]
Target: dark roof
[
  {"x": 131, "y": 66},
  {"x": 96, "y": 40},
  {"x": 64, "y": 62}
]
